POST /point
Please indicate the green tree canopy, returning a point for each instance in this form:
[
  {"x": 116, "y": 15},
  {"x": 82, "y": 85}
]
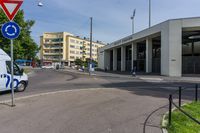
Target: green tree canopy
[
  {"x": 24, "y": 45},
  {"x": 79, "y": 62}
]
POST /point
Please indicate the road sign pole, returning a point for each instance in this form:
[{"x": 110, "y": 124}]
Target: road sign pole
[
  {"x": 12, "y": 73},
  {"x": 11, "y": 30}
]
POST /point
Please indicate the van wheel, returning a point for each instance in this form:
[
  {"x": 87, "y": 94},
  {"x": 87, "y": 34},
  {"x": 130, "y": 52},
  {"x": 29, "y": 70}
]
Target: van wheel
[{"x": 21, "y": 87}]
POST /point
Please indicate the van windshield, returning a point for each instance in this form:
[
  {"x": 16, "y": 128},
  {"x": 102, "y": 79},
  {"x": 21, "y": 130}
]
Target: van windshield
[{"x": 16, "y": 68}]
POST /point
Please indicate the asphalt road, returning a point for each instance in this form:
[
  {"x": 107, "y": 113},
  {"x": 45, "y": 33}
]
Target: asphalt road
[{"x": 125, "y": 104}]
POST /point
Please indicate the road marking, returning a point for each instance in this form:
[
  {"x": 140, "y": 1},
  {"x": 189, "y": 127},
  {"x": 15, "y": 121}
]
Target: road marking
[
  {"x": 55, "y": 92},
  {"x": 155, "y": 79}
]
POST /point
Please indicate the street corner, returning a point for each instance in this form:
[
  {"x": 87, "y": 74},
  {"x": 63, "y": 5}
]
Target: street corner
[{"x": 75, "y": 111}]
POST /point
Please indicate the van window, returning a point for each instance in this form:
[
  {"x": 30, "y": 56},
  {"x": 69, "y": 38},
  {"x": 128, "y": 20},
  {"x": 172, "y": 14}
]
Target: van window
[{"x": 16, "y": 68}]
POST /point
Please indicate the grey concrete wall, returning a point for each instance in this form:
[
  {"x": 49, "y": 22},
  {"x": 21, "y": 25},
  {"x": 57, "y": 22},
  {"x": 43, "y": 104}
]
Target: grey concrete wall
[
  {"x": 101, "y": 55},
  {"x": 134, "y": 54},
  {"x": 123, "y": 58},
  {"x": 115, "y": 59},
  {"x": 107, "y": 59},
  {"x": 148, "y": 55},
  {"x": 171, "y": 49}
]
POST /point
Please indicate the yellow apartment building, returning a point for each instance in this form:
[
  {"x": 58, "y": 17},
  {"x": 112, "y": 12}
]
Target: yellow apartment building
[{"x": 64, "y": 47}]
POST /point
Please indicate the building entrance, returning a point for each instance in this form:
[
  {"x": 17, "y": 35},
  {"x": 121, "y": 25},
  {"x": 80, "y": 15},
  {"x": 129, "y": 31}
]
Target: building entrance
[
  {"x": 191, "y": 52},
  {"x": 128, "y": 57},
  {"x": 156, "y": 54},
  {"x": 141, "y": 57},
  {"x": 111, "y": 60}
]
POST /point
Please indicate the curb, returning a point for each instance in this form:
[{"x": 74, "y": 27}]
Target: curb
[
  {"x": 165, "y": 122},
  {"x": 31, "y": 73},
  {"x": 82, "y": 73}
]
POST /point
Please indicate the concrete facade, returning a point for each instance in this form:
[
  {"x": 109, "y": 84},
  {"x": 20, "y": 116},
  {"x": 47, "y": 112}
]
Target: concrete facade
[{"x": 171, "y": 37}]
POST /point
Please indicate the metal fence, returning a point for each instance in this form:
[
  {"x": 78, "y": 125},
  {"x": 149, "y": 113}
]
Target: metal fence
[{"x": 171, "y": 103}]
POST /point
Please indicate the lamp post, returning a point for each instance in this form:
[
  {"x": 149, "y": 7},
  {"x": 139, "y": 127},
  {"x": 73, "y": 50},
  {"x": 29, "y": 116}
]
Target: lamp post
[
  {"x": 149, "y": 13},
  {"x": 133, "y": 19},
  {"x": 90, "y": 66},
  {"x": 40, "y": 4}
]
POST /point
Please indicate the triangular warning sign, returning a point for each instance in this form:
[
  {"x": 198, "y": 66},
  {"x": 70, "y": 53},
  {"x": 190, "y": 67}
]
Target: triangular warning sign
[{"x": 11, "y": 7}]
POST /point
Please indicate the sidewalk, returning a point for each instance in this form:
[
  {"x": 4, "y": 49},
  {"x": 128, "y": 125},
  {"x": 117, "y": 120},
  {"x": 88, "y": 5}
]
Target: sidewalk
[{"x": 144, "y": 77}]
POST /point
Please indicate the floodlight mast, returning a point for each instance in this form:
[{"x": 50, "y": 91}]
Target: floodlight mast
[
  {"x": 40, "y": 4},
  {"x": 133, "y": 21}
]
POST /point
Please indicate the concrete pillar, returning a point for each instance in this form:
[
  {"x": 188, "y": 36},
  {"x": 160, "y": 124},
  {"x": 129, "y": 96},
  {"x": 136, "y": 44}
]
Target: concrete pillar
[
  {"x": 134, "y": 54},
  {"x": 148, "y": 55},
  {"x": 107, "y": 60},
  {"x": 114, "y": 59},
  {"x": 123, "y": 58},
  {"x": 171, "y": 49},
  {"x": 69, "y": 63}
]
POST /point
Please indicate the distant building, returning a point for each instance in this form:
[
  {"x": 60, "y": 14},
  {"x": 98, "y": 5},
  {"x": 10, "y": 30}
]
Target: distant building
[{"x": 66, "y": 48}]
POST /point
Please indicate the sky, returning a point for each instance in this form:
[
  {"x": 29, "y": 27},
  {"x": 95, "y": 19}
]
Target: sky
[{"x": 111, "y": 18}]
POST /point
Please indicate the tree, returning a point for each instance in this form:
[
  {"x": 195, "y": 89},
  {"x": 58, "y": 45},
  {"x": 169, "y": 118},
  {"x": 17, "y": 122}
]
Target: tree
[
  {"x": 79, "y": 62},
  {"x": 24, "y": 45}
]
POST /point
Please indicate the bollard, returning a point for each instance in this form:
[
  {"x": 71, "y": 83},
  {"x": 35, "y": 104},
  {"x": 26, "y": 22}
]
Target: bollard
[
  {"x": 170, "y": 109},
  {"x": 180, "y": 94},
  {"x": 196, "y": 92}
]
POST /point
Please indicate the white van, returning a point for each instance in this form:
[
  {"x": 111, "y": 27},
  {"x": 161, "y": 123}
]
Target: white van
[{"x": 20, "y": 78}]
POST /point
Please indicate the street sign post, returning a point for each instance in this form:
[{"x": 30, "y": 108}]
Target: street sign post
[{"x": 11, "y": 30}]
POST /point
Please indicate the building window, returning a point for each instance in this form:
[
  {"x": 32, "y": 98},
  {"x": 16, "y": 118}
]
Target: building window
[
  {"x": 72, "y": 41},
  {"x": 47, "y": 40},
  {"x": 72, "y": 57},
  {"x": 72, "y": 52},
  {"x": 72, "y": 46}
]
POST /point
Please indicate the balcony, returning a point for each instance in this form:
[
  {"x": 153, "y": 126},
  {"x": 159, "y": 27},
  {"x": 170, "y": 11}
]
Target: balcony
[
  {"x": 53, "y": 47},
  {"x": 49, "y": 43},
  {"x": 55, "y": 53}
]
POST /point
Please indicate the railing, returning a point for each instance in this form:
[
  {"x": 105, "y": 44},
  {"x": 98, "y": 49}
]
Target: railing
[
  {"x": 52, "y": 47},
  {"x": 171, "y": 103}
]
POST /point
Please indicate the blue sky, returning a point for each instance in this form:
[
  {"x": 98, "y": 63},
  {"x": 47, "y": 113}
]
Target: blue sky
[{"x": 111, "y": 17}]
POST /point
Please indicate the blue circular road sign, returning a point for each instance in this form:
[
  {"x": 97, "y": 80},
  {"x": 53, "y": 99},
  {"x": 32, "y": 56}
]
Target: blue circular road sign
[{"x": 10, "y": 30}]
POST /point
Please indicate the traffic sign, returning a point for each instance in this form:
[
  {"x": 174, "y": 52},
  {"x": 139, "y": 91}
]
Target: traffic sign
[
  {"x": 11, "y": 7},
  {"x": 10, "y": 30}
]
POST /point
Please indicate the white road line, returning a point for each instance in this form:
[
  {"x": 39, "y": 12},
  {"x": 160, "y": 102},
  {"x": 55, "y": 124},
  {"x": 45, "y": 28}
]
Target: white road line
[{"x": 55, "y": 92}]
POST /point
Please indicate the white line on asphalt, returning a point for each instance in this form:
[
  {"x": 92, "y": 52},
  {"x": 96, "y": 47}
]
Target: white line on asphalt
[
  {"x": 156, "y": 79},
  {"x": 51, "y": 93}
]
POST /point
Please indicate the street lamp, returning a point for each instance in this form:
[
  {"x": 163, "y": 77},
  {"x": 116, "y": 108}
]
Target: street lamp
[
  {"x": 90, "y": 66},
  {"x": 149, "y": 13},
  {"x": 40, "y": 4},
  {"x": 133, "y": 19}
]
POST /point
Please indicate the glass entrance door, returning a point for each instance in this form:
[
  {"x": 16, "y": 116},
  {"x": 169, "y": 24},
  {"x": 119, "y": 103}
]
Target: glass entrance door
[{"x": 191, "y": 58}]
